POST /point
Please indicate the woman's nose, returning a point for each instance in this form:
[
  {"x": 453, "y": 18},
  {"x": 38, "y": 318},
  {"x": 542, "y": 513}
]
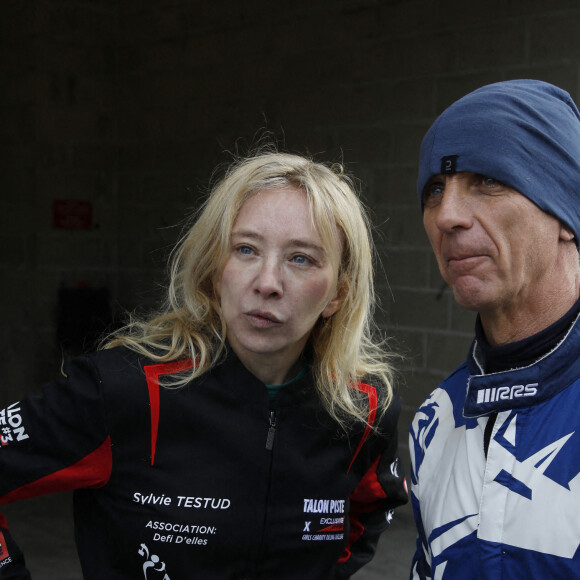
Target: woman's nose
[{"x": 269, "y": 279}]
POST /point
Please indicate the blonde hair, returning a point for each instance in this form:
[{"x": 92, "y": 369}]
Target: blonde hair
[{"x": 191, "y": 324}]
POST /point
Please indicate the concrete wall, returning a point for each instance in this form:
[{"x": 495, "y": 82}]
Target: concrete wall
[{"x": 130, "y": 104}]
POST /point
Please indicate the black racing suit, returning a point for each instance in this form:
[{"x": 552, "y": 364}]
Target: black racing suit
[{"x": 204, "y": 481}]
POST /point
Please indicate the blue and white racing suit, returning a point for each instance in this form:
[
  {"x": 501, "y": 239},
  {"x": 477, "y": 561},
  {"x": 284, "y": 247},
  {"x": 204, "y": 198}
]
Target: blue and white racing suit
[{"x": 514, "y": 512}]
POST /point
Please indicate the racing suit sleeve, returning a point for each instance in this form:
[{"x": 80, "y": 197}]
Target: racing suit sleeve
[
  {"x": 420, "y": 568},
  {"x": 12, "y": 566},
  {"x": 52, "y": 442},
  {"x": 382, "y": 488},
  {"x": 418, "y": 441}
]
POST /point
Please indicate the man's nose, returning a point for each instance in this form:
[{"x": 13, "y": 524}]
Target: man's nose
[{"x": 454, "y": 211}]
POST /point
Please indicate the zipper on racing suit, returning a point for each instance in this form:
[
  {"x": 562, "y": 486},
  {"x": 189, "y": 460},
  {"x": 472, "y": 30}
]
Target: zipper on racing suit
[
  {"x": 271, "y": 431},
  {"x": 272, "y": 421}
]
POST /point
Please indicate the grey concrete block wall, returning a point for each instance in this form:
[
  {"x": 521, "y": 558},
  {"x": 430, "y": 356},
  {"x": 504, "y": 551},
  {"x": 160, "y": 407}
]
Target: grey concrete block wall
[{"x": 130, "y": 105}]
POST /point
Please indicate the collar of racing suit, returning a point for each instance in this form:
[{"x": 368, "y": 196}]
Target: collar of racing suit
[{"x": 525, "y": 385}]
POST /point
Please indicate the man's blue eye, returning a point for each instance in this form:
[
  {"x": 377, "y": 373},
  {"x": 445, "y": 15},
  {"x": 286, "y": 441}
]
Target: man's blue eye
[{"x": 433, "y": 190}]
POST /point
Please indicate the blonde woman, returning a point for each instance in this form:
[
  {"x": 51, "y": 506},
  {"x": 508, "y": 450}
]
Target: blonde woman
[{"x": 248, "y": 430}]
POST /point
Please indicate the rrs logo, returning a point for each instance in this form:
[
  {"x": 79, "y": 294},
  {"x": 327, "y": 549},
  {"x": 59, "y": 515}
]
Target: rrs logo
[{"x": 506, "y": 393}]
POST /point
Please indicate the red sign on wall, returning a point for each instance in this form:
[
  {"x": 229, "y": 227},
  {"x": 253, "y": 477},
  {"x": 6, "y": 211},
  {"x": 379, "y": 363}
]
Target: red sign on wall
[{"x": 72, "y": 214}]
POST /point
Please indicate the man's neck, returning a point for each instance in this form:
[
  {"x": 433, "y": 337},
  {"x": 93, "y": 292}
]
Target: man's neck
[
  {"x": 525, "y": 317},
  {"x": 506, "y": 328},
  {"x": 524, "y": 352}
]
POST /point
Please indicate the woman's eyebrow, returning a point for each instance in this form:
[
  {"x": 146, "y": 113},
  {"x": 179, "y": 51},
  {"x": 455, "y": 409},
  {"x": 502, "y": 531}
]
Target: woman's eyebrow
[
  {"x": 307, "y": 245},
  {"x": 246, "y": 234},
  {"x": 294, "y": 242}
]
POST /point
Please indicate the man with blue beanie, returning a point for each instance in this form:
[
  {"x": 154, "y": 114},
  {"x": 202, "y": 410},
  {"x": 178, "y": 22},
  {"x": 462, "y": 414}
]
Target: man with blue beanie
[{"x": 495, "y": 449}]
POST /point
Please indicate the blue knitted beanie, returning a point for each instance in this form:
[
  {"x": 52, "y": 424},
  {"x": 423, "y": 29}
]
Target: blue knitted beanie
[{"x": 524, "y": 133}]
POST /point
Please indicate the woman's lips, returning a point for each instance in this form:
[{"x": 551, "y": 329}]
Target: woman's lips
[{"x": 262, "y": 319}]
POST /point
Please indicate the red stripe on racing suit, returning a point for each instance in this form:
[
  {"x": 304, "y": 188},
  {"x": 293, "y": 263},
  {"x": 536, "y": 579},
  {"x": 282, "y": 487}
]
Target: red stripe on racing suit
[
  {"x": 91, "y": 471},
  {"x": 152, "y": 374}
]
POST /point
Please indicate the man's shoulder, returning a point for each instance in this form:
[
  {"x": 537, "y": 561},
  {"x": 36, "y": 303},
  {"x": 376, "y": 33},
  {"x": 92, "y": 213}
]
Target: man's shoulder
[
  {"x": 453, "y": 385},
  {"x": 445, "y": 402}
]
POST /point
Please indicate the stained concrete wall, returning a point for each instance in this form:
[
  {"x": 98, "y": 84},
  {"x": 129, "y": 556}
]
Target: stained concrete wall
[{"x": 129, "y": 105}]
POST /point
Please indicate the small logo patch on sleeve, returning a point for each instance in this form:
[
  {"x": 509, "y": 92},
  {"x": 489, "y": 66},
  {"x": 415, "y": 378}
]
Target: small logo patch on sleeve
[
  {"x": 11, "y": 425},
  {"x": 449, "y": 164},
  {"x": 4, "y": 555}
]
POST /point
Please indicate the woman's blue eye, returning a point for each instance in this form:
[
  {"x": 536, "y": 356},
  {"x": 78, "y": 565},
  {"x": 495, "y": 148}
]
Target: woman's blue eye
[
  {"x": 246, "y": 250},
  {"x": 300, "y": 259}
]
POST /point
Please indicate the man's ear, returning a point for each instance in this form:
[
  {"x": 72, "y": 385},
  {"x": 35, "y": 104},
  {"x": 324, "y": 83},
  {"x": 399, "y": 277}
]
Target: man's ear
[{"x": 566, "y": 234}]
